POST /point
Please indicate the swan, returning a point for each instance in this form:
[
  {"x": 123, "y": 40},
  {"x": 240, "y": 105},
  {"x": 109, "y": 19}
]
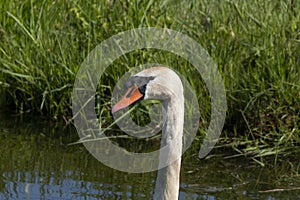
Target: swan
[{"x": 161, "y": 83}]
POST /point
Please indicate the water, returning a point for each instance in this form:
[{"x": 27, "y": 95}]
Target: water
[{"x": 36, "y": 163}]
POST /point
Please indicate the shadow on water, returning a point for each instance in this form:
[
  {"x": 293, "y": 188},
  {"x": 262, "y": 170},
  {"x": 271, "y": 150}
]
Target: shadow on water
[{"x": 36, "y": 163}]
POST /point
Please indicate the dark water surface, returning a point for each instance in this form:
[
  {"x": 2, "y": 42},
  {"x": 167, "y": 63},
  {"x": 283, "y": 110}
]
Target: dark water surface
[{"x": 36, "y": 163}]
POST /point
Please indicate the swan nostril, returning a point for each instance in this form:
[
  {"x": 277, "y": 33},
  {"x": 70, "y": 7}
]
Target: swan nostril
[{"x": 128, "y": 95}]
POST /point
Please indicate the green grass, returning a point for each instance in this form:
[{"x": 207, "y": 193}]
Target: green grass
[{"x": 255, "y": 44}]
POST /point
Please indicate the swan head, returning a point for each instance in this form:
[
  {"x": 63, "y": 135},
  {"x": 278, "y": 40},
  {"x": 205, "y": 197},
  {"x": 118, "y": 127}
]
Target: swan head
[{"x": 155, "y": 83}]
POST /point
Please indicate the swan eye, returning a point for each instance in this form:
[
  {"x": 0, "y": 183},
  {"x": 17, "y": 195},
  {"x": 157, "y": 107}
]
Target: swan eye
[{"x": 142, "y": 89}]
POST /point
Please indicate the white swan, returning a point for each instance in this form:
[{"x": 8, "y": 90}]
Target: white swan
[{"x": 161, "y": 83}]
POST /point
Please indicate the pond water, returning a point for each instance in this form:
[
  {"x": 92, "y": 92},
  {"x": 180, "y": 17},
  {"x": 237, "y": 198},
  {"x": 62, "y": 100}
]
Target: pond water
[{"x": 37, "y": 163}]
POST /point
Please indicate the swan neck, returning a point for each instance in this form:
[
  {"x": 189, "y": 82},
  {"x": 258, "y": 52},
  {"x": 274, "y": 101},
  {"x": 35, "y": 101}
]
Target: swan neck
[{"x": 167, "y": 183}]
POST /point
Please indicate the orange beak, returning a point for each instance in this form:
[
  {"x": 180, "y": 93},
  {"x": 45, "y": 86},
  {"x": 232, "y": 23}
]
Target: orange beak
[{"x": 132, "y": 95}]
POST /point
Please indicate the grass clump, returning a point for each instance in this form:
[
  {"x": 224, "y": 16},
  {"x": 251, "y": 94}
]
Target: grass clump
[{"x": 255, "y": 44}]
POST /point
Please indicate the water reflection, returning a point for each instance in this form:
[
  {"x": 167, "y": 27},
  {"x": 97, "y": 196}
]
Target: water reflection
[
  {"x": 34, "y": 185},
  {"x": 36, "y": 163}
]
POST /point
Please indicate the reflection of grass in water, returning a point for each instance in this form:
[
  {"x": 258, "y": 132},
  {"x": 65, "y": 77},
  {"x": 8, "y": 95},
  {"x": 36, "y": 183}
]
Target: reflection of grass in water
[
  {"x": 220, "y": 177},
  {"x": 256, "y": 46}
]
